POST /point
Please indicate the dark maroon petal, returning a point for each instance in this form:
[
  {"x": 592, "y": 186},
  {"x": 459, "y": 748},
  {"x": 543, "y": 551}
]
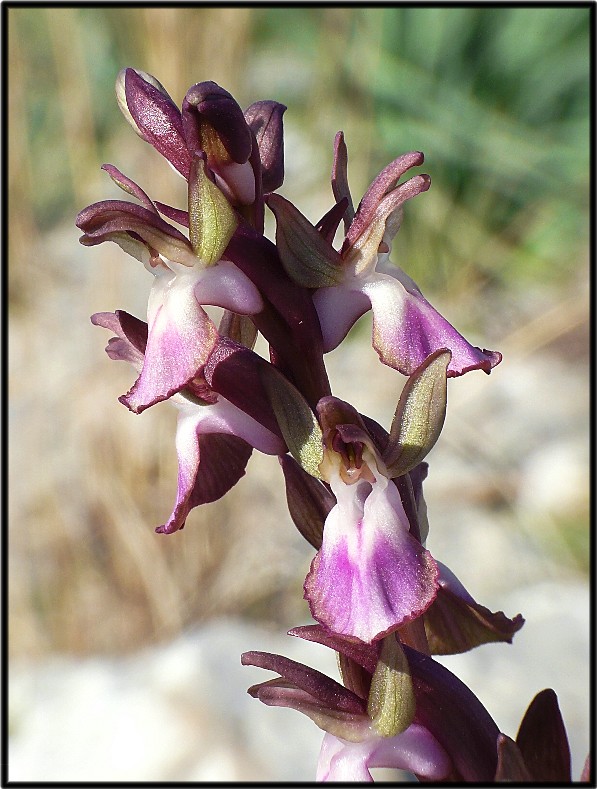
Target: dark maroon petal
[
  {"x": 129, "y": 186},
  {"x": 543, "y": 741},
  {"x": 328, "y": 224},
  {"x": 333, "y": 412},
  {"x": 100, "y": 221},
  {"x": 347, "y": 725},
  {"x": 124, "y": 325},
  {"x": 325, "y": 690},
  {"x": 208, "y": 103},
  {"x": 113, "y": 215},
  {"x": 366, "y": 655},
  {"x": 309, "y": 500},
  {"x": 129, "y": 343},
  {"x": 380, "y": 186},
  {"x": 222, "y": 462},
  {"x": 176, "y": 214},
  {"x": 289, "y": 322},
  {"x": 510, "y": 765},
  {"x": 340, "y": 186},
  {"x": 455, "y": 717},
  {"x": 158, "y": 120},
  {"x": 378, "y": 433},
  {"x": 454, "y": 624},
  {"x": 235, "y": 372},
  {"x": 265, "y": 121}
]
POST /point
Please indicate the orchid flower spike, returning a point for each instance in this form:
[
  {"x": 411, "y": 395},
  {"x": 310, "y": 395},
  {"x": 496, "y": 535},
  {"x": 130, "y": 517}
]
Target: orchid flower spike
[{"x": 346, "y": 284}]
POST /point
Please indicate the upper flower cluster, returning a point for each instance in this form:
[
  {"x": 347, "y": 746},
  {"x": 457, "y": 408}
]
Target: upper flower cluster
[{"x": 354, "y": 490}]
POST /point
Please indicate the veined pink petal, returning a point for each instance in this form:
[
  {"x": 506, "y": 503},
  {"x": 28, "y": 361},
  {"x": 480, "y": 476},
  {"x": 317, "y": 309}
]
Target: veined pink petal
[
  {"x": 370, "y": 575},
  {"x": 181, "y": 337},
  {"x": 338, "y": 308},
  {"x": 225, "y": 285},
  {"x": 407, "y": 329}
]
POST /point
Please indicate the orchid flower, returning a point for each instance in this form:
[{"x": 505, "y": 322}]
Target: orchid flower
[
  {"x": 214, "y": 437},
  {"x": 357, "y": 737},
  {"x": 371, "y": 575},
  {"x": 189, "y": 273},
  {"x": 454, "y": 622},
  {"x": 397, "y": 708},
  {"x": 406, "y": 328}
]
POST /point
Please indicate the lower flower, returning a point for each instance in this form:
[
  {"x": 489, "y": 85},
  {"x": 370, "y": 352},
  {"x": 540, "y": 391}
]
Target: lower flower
[
  {"x": 214, "y": 438},
  {"x": 414, "y": 749},
  {"x": 370, "y": 575}
]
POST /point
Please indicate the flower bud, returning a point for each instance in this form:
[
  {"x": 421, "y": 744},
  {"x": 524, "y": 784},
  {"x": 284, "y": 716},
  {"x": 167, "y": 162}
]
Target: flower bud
[
  {"x": 153, "y": 115},
  {"x": 265, "y": 121},
  {"x": 213, "y": 122}
]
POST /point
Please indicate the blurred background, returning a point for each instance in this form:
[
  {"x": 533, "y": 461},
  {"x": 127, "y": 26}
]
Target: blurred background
[{"x": 498, "y": 100}]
